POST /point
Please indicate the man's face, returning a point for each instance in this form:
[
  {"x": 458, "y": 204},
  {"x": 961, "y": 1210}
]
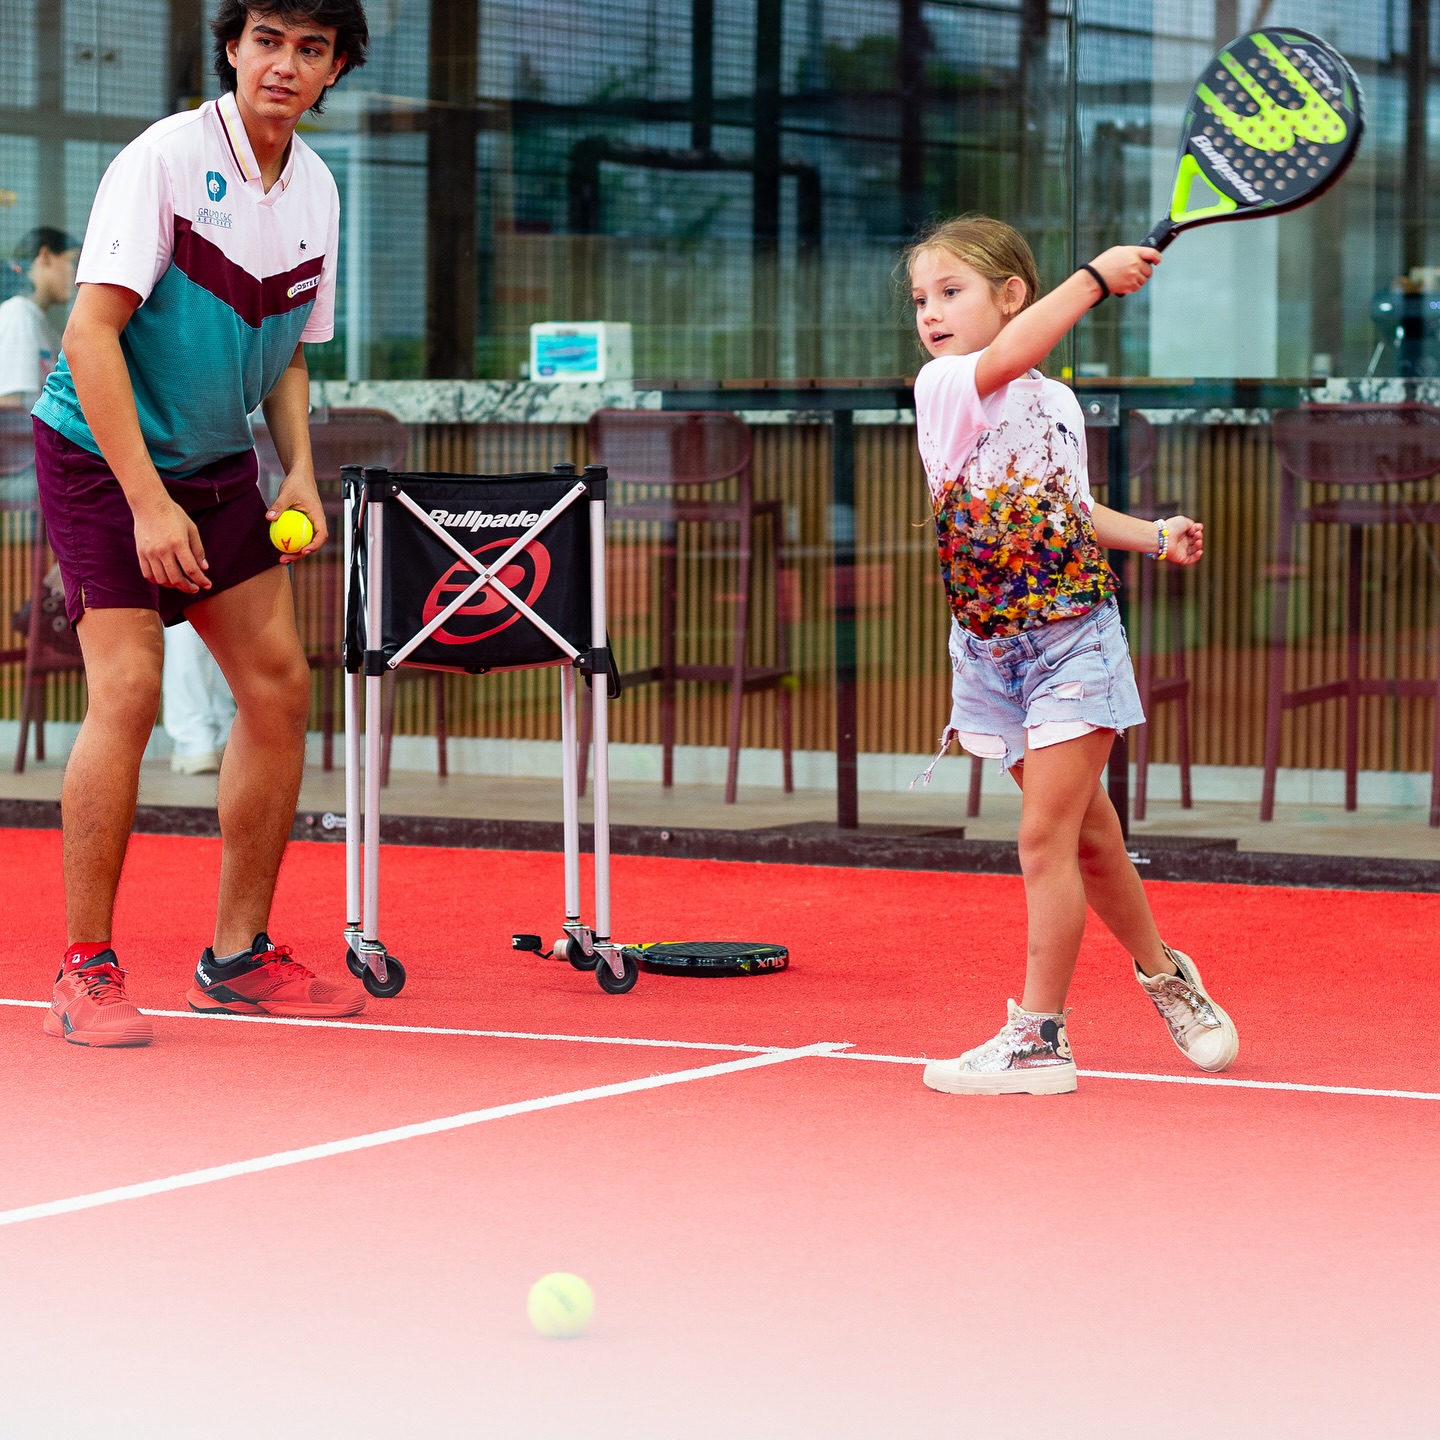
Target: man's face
[{"x": 281, "y": 69}]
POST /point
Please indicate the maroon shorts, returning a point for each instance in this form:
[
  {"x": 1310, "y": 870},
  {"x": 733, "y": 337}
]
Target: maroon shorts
[{"x": 93, "y": 532}]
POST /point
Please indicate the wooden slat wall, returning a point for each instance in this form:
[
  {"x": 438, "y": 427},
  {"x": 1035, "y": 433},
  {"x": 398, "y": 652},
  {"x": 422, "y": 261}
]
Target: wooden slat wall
[{"x": 1228, "y": 475}]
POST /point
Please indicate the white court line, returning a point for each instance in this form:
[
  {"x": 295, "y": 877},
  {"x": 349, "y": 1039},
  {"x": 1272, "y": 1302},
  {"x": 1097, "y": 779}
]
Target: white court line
[
  {"x": 283, "y": 1158},
  {"x": 837, "y": 1052},
  {"x": 1292, "y": 1085},
  {"x": 443, "y": 1030}
]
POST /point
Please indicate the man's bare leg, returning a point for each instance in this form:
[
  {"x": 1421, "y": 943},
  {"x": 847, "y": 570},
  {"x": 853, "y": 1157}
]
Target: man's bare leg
[
  {"x": 124, "y": 652},
  {"x": 251, "y": 632}
]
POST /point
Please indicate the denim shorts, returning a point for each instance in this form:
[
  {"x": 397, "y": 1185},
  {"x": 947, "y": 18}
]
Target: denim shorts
[{"x": 1064, "y": 672}]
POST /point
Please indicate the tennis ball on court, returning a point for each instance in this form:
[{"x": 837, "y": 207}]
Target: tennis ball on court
[
  {"x": 291, "y": 530},
  {"x": 560, "y": 1306}
]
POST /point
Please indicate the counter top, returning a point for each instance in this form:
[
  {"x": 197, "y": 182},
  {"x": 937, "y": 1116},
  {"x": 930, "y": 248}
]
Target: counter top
[{"x": 522, "y": 402}]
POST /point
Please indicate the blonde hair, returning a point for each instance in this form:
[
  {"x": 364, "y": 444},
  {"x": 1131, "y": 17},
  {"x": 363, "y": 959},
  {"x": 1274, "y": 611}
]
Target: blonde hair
[{"x": 990, "y": 247}]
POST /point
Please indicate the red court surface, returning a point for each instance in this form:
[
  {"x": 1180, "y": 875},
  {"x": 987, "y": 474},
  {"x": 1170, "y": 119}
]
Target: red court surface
[{"x": 798, "y": 1245}]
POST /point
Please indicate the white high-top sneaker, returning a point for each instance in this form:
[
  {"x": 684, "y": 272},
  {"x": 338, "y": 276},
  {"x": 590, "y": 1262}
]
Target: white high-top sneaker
[
  {"x": 1030, "y": 1056},
  {"x": 1205, "y": 1034}
]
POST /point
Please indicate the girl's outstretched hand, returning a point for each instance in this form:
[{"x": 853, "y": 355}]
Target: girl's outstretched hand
[
  {"x": 1187, "y": 540},
  {"x": 1127, "y": 267}
]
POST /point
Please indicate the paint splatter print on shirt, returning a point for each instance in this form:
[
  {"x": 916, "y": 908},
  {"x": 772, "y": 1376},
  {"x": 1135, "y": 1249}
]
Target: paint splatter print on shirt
[{"x": 1011, "y": 498}]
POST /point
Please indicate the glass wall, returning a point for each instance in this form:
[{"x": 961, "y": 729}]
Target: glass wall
[{"x": 735, "y": 179}]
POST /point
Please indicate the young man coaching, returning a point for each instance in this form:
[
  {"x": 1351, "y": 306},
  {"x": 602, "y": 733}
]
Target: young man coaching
[{"x": 208, "y": 263}]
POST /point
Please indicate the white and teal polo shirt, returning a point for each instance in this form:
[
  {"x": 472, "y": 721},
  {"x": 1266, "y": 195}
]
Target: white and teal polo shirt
[{"x": 230, "y": 280}]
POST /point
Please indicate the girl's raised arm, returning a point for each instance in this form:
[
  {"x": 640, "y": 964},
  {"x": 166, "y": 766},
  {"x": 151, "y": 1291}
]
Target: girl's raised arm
[{"x": 1033, "y": 334}]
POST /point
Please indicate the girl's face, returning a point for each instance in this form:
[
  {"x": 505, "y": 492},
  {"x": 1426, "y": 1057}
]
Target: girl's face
[{"x": 957, "y": 310}]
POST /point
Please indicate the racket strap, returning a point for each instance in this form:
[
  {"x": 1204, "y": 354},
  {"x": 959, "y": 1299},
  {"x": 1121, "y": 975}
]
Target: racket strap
[{"x": 1099, "y": 279}]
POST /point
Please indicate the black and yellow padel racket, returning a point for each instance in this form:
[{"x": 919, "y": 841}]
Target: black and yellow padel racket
[{"x": 1272, "y": 124}]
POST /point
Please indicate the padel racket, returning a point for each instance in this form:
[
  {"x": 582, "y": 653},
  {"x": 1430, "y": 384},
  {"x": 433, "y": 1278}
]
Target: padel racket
[
  {"x": 1272, "y": 124},
  {"x": 709, "y": 957}
]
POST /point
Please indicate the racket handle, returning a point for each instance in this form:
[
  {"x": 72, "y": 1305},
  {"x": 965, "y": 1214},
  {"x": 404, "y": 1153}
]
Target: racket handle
[{"x": 1161, "y": 233}]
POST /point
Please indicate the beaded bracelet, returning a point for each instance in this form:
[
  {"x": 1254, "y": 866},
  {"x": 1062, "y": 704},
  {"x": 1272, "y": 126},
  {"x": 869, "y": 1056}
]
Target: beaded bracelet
[{"x": 1162, "y": 540}]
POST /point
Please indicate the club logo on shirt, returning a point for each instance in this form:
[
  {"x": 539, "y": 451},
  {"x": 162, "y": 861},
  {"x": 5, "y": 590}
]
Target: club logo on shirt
[
  {"x": 301, "y": 286},
  {"x": 215, "y": 185}
]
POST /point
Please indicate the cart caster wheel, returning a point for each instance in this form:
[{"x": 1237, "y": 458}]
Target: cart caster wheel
[
  {"x": 392, "y": 984},
  {"x": 571, "y": 950},
  {"x": 354, "y": 964},
  {"x": 608, "y": 981}
]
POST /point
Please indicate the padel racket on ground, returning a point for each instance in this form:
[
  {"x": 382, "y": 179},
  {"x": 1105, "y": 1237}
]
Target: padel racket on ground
[
  {"x": 1272, "y": 124},
  {"x": 709, "y": 957}
]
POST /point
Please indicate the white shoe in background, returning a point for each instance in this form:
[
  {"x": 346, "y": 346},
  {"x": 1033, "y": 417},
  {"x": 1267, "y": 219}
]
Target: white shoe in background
[{"x": 201, "y": 762}]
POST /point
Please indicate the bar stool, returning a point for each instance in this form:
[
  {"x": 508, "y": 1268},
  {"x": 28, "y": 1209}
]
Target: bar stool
[
  {"x": 1172, "y": 687},
  {"x": 659, "y": 452},
  {"x": 51, "y": 646},
  {"x": 339, "y": 437},
  {"x": 1372, "y": 447}
]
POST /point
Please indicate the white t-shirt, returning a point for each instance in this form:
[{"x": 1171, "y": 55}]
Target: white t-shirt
[
  {"x": 1012, "y": 501},
  {"x": 28, "y": 347}
]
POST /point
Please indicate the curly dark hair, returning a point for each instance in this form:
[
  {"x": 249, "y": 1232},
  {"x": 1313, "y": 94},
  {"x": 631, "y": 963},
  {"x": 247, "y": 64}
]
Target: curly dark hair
[{"x": 352, "y": 31}]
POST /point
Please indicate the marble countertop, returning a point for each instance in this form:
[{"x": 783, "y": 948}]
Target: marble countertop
[{"x": 523, "y": 402}]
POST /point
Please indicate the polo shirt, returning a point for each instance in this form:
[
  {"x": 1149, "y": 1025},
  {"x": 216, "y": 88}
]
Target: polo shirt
[{"x": 230, "y": 280}]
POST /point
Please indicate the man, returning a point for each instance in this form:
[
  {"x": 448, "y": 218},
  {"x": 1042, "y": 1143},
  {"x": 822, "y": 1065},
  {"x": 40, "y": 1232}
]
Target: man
[
  {"x": 208, "y": 263},
  {"x": 28, "y": 345}
]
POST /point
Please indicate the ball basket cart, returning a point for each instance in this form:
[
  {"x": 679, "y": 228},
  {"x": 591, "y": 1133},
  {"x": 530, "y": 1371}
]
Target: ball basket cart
[{"x": 472, "y": 574}]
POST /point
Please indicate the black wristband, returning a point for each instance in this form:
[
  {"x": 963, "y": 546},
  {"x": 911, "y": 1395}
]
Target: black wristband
[{"x": 1099, "y": 279}]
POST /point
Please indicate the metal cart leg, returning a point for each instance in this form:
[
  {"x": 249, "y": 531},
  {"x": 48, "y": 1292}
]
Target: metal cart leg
[
  {"x": 353, "y": 926},
  {"x": 616, "y": 972},
  {"x": 570, "y": 787},
  {"x": 381, "y": 972}
]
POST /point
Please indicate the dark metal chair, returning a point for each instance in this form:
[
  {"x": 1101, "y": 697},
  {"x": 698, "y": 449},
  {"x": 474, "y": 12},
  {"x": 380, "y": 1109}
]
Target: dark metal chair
[
  {"x": 51, "y": 647},
  {"x": 343, "y": 437},
  {"x": 1172, "y": 687},
  {"x": 668, "y": 456},
  {"x": 1372, "y": 449}
]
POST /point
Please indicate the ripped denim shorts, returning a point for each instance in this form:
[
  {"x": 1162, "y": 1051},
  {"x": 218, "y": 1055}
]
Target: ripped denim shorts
[{"x": 1069, "y": 677}]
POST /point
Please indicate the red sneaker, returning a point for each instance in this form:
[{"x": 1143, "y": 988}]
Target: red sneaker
[
  {"x": 266, "y": 981},
  {"x": 89, "y": 1006}
]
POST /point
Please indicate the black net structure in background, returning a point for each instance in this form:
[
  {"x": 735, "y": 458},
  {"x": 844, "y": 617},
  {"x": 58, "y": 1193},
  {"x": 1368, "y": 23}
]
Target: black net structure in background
[{"x": 735, "y": 178}]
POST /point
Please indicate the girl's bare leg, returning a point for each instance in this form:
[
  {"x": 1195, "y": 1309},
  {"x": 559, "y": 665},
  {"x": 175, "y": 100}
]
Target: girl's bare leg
[
  {"x": 1071, "y": 852},
  {"x": 1113, "y": 888}
]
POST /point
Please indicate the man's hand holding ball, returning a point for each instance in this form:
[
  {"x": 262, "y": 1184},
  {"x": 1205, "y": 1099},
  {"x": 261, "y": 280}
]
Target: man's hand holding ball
[{"x": 297, "y": 520}]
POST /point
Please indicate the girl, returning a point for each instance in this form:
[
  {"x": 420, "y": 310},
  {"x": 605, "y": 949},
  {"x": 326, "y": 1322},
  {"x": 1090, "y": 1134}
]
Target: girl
[{"x": 1042, "y": 669}]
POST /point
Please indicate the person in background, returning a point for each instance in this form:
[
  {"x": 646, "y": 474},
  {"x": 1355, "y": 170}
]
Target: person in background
[
  {"x": 28, "y": 342},
  {"x": 46, "y": 258},
  {"x": 198, "y": 706}
]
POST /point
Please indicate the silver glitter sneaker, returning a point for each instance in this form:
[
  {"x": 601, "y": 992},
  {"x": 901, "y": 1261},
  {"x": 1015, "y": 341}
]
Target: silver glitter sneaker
[
  {"x": 1205, "y": 1034},
  {"x": 1030, "y": 1056}
]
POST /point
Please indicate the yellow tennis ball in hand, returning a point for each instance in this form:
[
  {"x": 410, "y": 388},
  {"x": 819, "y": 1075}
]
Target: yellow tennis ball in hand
[
  {"x": 291, "y": 531},
  {"x": 561, "y": 1305}
]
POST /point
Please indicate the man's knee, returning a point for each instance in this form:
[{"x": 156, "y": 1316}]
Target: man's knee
[
  {"x": 123, "y": 665},
  {"x": 277, "y": 689}
]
